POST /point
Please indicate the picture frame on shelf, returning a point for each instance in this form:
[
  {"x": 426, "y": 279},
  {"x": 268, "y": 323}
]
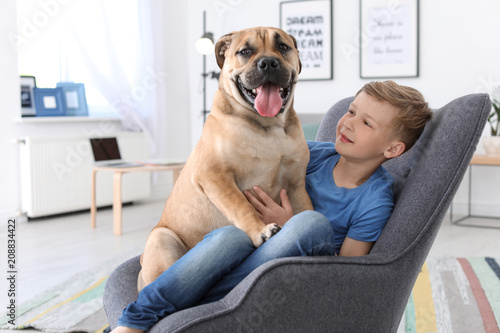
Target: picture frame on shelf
[
  {"x": 310, "y": 23},
  {"x": 27, "y": 83},
  {"x": 389, "y": 39},
  {"x": 74, "y": 98},
  {"x": 49, "y": 102}
]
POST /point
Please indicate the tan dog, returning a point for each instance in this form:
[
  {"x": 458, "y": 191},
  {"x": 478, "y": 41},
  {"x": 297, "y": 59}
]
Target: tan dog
[{"x": 251, "y": 137}]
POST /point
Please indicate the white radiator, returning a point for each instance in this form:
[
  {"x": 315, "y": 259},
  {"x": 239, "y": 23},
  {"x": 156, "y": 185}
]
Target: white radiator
[{"x": 56, "y": 173}]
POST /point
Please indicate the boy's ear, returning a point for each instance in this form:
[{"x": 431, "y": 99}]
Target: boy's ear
[{"x": 395, "y": 149}]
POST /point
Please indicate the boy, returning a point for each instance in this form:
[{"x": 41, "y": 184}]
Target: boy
[{"x": 352, "y": 197}]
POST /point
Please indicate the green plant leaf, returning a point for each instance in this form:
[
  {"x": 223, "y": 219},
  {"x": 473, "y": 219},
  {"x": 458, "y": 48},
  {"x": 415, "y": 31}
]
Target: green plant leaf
[{"x": 494, "y": 117}]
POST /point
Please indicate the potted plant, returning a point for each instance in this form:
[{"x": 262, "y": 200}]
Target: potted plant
[{"x": 492, "y": 143}]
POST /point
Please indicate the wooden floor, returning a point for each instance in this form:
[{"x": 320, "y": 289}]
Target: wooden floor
[{"x": 52, "y": 250}]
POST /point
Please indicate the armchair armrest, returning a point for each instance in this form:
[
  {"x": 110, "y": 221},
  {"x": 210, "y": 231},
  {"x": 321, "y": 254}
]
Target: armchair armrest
[{"x": 304, "y": 294}]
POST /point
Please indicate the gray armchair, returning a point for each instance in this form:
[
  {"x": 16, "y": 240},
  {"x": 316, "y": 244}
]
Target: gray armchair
[{"x": 341, "y": 294}]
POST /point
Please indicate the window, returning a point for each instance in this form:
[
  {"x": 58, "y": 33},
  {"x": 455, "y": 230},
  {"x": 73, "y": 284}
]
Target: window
[{"x": 94, "y": 42}]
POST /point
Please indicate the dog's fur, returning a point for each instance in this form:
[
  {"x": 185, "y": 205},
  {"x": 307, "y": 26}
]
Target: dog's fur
[{"x": 239, "y": 148}]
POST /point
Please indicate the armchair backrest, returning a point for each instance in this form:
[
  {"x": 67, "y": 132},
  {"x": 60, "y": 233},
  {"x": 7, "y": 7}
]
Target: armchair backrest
[{"x": 428, "y": 175}]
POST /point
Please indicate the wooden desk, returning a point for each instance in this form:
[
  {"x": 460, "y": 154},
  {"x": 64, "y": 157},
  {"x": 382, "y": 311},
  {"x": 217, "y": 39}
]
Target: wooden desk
[
  {"x": 117, "y": 189},
  {"x": 477, "y": 159}
]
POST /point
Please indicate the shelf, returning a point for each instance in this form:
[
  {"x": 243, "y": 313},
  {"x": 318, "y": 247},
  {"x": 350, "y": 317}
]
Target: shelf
[{"x": 67, "y": 119}]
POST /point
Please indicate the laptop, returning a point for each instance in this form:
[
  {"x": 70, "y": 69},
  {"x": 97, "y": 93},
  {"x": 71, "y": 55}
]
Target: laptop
[{"x": 107, "y": 154}]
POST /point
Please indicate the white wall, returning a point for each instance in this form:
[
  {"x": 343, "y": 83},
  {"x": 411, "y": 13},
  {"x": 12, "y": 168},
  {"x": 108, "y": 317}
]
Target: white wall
[
  {"x": 177, "y": 100},
  {"x": 9, "y": 93},
  {"x": 459, "y": 54}
]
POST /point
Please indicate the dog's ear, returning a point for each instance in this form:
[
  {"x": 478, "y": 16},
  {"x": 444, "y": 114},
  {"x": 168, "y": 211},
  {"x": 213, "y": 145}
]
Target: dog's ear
[
  {"x": 221, "y": 47},
  {"x": 295, "y": 44}
]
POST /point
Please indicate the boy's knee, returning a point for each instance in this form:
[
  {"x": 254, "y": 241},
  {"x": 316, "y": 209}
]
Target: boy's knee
[
  {"x": 312, "y": 215},
  {"x": 310, "y": 232},
  {"x": 309, "y": 220},
  {"x": 230, "y": 234}
]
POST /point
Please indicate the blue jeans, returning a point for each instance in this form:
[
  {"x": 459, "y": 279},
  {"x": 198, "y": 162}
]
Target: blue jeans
[{"x": 219, "y": 262}]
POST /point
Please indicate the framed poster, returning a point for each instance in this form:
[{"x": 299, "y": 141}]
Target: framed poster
[
  {"x": 28, "y": 83},
  {"x": 310, "y": 22},
  {"x": 389, "y": 38}
]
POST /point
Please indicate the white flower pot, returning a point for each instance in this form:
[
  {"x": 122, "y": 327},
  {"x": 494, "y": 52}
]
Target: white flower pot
[{"x": 491, "y": 145}]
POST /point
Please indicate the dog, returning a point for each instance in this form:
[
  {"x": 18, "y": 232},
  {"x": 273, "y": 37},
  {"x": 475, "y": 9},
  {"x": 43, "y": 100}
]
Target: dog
[{"x": 252, "y": 136}]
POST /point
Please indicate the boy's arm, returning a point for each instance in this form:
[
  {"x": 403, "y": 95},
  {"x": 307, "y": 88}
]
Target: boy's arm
[{"x": 354, "y": 248}]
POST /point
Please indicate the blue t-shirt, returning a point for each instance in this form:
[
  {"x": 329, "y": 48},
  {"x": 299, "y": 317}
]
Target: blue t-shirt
[{"x": 359, "y": 213}]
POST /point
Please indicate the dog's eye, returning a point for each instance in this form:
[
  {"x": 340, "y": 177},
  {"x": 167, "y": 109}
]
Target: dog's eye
[
  {"x": 284, "y": 47},
  {"x": 245, "y": 52}
]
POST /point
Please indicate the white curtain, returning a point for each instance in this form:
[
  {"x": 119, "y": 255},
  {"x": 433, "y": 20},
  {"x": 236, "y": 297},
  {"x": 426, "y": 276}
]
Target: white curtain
[{"x": 114, "y": 47}]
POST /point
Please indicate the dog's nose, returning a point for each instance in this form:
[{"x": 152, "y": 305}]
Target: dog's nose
[{"x": 268, "y": 64}]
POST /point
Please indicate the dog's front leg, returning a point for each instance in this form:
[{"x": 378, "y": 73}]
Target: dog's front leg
[
  {"x": 228, "y": 198},
  {"x": 299, "y": 199}
]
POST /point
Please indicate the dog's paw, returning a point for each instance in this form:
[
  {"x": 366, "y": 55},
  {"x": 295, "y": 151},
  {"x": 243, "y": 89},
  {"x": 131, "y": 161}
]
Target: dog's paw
[{"x": 269, "y": 231}]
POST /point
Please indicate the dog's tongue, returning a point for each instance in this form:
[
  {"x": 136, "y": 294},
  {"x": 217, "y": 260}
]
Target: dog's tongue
[{"x": 268, "y": 101}]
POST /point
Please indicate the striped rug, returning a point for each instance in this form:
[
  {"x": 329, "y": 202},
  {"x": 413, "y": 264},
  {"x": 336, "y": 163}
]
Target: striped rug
[{"x": 455, "y": 295}]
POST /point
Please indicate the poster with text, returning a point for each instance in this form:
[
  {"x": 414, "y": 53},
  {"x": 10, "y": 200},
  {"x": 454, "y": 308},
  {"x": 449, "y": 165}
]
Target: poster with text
[
  {"x": 310, "y": 22},
  {"x": 389, "y": 38}
]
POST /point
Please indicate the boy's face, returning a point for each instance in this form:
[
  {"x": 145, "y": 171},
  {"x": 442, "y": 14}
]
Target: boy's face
[{"x": 364, "y": 133}]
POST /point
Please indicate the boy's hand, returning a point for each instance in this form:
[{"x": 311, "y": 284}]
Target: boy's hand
[{"x": 268, "y": 210}]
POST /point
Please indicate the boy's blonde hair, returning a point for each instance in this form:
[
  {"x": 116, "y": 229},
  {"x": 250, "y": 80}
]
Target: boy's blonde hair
[{"x": 414, "y": 110}]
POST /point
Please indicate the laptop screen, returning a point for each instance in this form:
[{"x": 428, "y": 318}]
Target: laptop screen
[{"x": 105, "y": 149}]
